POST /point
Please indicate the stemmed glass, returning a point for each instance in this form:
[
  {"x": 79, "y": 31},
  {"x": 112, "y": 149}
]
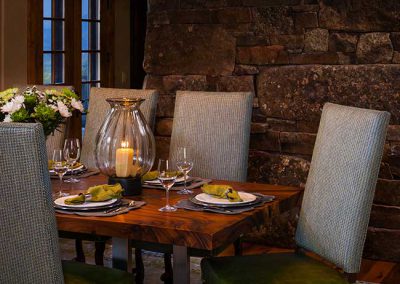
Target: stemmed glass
[
  {"x": 167, "y": 177},
  {"x": 72, "y": 151},
  {"x": 185, "y": 165},
  {"x": 60, "y": 168}
]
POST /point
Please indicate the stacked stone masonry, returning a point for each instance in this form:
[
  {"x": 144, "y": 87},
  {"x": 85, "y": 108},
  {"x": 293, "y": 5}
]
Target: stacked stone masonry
[{"x": 295, "y": 55}]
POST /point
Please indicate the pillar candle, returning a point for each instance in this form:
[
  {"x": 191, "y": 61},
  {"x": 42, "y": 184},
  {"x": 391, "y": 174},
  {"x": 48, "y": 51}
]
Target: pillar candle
[{"x": 123, "y": 162}]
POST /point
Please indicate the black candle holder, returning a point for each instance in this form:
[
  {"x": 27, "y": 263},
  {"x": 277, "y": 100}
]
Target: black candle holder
[{"x": 131, "y": 186}]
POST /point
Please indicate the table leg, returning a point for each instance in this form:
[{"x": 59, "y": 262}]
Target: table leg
[
  {"x": 121, "y": 254},
  {"x": 181, "y": 272}
]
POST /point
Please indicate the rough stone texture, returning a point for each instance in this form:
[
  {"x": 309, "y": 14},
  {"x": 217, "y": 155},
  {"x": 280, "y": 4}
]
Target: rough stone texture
[
  {"x": 165, "y": 106},
  {"x": 305, "y": 20},
  {"x": 292, "y": 43},
  {"x": 189, "y": 49},
  {"x": 314, "y": 58},
  {"x": 360, "y": 16},
  {"x": 231, "y": 15},
  {"x": 281, "y": 124},
  {"x": 274, "y": 54},
  {"x": 298, "y": 93},
  {"x": 231, "y": 84},
  {"x": 245, "y": 70},
  {"x": 382, "y": 244},
  {"x": 170, "y": 84},
  {"x": 273, "y": 20},
  {"x": 277, "y": 169},
  {"x": 252, "y": 40},
  {"x": 343, "y": 42},
  {"x": 395, "y": 38},
  {"x": 385, "y": 217},
  {"x": 374, "y": 48},
  {"x": 316, "y": 40},
  {"x": 268, "y": 141},
  {"x": 259, "y": 128},
  {"x": 393, "y": 133},
  {"x": 300, "y": 143},
  {"x": 396, "y": 57},
  {"x": 164, "y": 127},
  {"x": 387, "y": 192},
  {"x": 162, "y": 147}
]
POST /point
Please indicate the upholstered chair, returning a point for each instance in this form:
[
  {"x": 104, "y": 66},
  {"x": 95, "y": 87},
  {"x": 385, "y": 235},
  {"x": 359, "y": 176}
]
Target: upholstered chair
[
  {"x": 55, "y": 140},
  {"x": 98, "y": 109},
  {"x": 217, "y": 127},
  {"x": 29, "y": 246},
  {"x": 335, "y": 210}
]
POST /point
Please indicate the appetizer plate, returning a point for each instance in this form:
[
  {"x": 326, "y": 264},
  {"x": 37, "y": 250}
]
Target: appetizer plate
[
  {"x": 209, "y": 199},
  {"x": 60, "y": 202}
]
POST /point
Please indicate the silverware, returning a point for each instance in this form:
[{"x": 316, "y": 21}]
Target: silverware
[{"x": 114, "y": 210}]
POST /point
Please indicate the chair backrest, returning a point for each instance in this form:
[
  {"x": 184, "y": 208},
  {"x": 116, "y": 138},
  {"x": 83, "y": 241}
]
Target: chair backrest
[
  {"x": 28, "y": 235},
  {"x": 98, "y": 109},
  {"x": 55, "y": 140},
  {"x": 341, "y": 183},
  {"x": 217, "y": 127}
]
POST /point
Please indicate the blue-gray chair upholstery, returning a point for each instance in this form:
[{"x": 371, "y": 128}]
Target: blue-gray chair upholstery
[
  {"x": 29, "y": 249},
  {"x": 98, "y": 109},
  {"x": 336, "y": 205},
  {"x": 217, "y": 127}
]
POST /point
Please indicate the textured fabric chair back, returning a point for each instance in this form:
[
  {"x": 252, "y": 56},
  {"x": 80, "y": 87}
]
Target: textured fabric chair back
[
  {"x": 98, "y": 109},
  {"x": 341, "y": 183},
  {"x": 217, "y": 128},
  {"x": 55, "y": 140},
  {"x": 28, "y": 235}
]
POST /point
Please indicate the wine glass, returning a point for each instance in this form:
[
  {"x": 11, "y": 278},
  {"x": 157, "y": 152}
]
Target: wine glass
[
  {"x": 167, "y": 177},
  {"x": 72, "y": 151},
  {"x": 185, "y": 165},
  {"x": 60, "y": 168}
]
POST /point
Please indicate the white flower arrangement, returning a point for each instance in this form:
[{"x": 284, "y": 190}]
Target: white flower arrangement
[{"x": 50, "y": 108}]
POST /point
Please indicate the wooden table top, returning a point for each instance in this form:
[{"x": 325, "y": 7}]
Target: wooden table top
[{"x": 201, "y": 230}]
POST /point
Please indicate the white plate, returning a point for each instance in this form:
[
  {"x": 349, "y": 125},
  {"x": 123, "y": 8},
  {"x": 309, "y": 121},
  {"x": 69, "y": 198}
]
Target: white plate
[
  {"x": 206, "y": 198},
  {"x": 87, "y": 204},
  {"x": 157, "y": 182}
]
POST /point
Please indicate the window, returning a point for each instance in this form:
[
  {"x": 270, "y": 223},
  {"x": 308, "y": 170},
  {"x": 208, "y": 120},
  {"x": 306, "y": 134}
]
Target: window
[
  {"x": 90, "y": 47},
  {"x": 53, "y": 42}
]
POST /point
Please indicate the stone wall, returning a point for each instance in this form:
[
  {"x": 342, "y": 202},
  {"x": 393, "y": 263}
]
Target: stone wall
[{"x": 295, "y": 55}]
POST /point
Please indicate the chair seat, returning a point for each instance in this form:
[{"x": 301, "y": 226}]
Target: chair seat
[
  {"x": 279, "y": 268},
  {"x": 81, "y": 273}
]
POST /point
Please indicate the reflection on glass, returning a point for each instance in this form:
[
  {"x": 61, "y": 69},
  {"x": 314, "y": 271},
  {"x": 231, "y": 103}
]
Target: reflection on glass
[
  {"x": 58, "y": 68},
  {"x": 59, "y": 8},
  {"x": 47, "y": 35},
  {"x": 47, "y": 68},
  {"x": 85, "y": 66},
  {"x": 47, "y": 8},
  {"x": 94, "y": 67},
  {"x": 94, "y": 9},
  {"x": 85, "y": 9},
  {"x": 85, "y": 35},
  {"x": 59, "y": 35},
  {"x": 95, "y": 36}
]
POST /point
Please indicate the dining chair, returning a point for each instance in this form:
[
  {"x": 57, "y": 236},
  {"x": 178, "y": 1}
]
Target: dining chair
[
  {"x": 335, "y": 209},
  {"x": 217, "y": 127},
  {"x": 29, "y": 246},
  {"x": 55, "y": 140},
  {"x": 98, "y": 109}
]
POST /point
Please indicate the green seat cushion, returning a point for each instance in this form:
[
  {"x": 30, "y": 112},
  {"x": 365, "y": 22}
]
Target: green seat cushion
[
  {"x": 81, "y": 273},
  {"x": 280, "y": 268}
]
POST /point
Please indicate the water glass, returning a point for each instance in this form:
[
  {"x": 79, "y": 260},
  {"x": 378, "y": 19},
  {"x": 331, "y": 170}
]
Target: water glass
[
  {"x": 60, "y": 168},
  {"x": 72, "y": 152},
  {"x": 167, "y": 176},
  {"x": 185, "y": 165}
]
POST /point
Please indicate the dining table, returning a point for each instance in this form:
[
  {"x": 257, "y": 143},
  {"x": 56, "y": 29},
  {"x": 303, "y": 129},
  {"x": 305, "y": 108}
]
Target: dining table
[{"x": 184, "y": 230}]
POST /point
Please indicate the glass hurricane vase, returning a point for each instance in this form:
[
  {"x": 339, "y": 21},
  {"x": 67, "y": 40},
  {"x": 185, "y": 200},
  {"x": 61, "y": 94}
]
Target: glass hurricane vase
[{"x": 125, "y": 146}]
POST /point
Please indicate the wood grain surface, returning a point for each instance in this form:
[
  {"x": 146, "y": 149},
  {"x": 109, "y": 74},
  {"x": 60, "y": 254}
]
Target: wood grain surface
[{"x": 200, "y": 230}]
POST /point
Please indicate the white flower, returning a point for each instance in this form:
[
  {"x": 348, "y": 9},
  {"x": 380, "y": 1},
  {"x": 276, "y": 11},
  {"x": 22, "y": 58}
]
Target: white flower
[
  {"x": 11, "y": 107},
  {"x": 54, "y": 107},
  {"x": 7, "y": 118},
  {"x": 19, "y": 99},
  {"x": 77, "y": 105},
  {"x": 63, "y": 109}
]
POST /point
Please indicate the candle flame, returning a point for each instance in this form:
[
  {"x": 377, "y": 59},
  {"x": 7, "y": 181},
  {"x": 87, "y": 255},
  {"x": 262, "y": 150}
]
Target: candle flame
[{"x": 124, "y": 144}]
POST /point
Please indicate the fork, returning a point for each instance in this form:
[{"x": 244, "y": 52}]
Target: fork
[{"x": 114, "y": 210}]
